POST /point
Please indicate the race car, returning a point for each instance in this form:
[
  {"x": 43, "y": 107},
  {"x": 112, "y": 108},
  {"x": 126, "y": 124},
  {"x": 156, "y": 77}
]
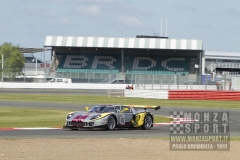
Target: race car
[{"x": 111, "y": 116}]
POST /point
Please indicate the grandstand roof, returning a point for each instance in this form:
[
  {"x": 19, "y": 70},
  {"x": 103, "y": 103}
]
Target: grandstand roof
[
  {"x": 110, "y": 42},
  {"x": 32, "y": 50},
  {"x": 221, "y": 55}
]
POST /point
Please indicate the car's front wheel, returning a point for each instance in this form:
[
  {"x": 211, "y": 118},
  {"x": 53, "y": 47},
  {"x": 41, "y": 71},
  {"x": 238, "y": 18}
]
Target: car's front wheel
[
  {"x": 147, "y": 122},
  {"x": 111, "y": 124}
]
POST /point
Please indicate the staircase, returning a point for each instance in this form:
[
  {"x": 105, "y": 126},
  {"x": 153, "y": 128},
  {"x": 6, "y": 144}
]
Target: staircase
[
  {"x": 118, "y": 78},
  {"x": 211, "y": 67},
  {"x": 53, "y": 67}
]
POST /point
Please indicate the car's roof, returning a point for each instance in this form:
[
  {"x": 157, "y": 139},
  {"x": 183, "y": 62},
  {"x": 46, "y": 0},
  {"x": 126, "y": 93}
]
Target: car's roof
[{"x": 104, "y": 105}]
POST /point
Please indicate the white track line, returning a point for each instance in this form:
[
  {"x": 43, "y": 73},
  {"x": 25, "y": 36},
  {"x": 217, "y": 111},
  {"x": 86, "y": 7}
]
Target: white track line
[
  {"x": 176, "y": 121},
  {"x": 36, "y": 128}
]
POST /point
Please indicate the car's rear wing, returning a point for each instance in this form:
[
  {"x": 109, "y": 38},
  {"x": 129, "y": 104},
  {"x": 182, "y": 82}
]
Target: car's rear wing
[{"x": 145, "y": 107}]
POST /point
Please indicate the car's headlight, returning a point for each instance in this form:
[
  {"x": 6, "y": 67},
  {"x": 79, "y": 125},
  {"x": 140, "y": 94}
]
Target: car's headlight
[
  {"x": 95, "y": 117},
  {"x": 69, "y": 115}
]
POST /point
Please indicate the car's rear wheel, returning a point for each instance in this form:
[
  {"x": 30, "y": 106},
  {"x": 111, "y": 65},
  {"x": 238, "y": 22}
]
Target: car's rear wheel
[
  {"x": 147, "y": 122},
  {"x": 111, "y": 124}
]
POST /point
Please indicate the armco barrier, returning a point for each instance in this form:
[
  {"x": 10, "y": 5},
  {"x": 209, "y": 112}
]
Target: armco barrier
[{"x": 203, "y": 95}]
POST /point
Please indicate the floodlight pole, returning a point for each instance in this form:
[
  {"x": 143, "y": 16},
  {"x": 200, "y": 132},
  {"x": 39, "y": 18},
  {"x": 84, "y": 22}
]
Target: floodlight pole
[
  {"x": 24, "y": 73},
  {"x": 45, "y": 64},
  {"x": 2, "y": 66},
  {"x": 36, "y": 67},
  {"x": 175, "y": 78}
]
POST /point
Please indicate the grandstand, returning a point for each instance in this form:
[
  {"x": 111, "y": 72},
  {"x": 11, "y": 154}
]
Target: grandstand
[
  {"x": 119, "y": 60},
  {"x": 34, "y": 66},
  {"x": 30, "y": 58},
  {"x": 223, "y": 67},
  {"x": 220, "y": 62}
]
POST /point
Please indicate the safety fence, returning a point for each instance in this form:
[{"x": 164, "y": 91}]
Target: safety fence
[
  {"x": 224, "y": 82},
  {"x": 117, "y": 90},
  {"x": 188, "y": 82}
]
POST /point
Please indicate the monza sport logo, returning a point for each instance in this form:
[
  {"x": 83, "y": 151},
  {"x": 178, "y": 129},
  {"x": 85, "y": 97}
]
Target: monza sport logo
[{"x": 199, "y": 130}]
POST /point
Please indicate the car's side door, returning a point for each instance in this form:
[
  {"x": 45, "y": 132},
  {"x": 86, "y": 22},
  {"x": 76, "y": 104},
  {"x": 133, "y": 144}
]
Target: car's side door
[{"x": 126, "y": 114}]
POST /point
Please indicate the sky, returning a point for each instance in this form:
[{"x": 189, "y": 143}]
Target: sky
[{"x": 216, "y": 22}]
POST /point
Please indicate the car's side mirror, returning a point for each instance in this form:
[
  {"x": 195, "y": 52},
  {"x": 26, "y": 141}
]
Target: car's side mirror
[{"x": 87, "y": 108}]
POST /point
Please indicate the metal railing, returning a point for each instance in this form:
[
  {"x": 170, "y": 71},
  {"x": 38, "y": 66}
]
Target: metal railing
[
  {"x": 147, "y": 81},
  {"x": 115, "y": 93},
  {"x": 212, "y": 66},
  {"x": 111, "y": 78},
  {"x": 196, "y": 82}
]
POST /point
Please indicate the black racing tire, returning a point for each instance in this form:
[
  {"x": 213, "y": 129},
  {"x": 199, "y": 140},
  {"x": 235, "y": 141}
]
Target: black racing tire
[
  {"x": 147, "y": 122},
  {"x": 111, "y": 123}
]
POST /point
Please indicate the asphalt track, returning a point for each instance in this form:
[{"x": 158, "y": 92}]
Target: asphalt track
[{"x": 155, "y": 132}]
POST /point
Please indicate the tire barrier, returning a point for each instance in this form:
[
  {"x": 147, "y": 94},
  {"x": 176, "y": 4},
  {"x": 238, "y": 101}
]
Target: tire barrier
[{"x": 203, "y": 95}]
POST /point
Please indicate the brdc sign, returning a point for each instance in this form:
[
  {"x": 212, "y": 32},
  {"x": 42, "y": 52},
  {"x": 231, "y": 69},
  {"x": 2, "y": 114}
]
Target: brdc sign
[{"x": 199, "y": 130}]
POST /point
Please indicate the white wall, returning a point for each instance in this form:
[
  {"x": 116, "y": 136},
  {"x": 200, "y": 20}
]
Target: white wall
[
  {"x": 62, "y": 85},
  {"x": 156, "y": 94}
]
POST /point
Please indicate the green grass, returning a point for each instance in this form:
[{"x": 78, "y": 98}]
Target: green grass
[
  {"x": 234, "y": 138},
  {"x": 25, "y": 117},
  {"x": 161, "y": 119},
  {"x": 15, "y": 117},
  {"x": 89, "y": 99}
]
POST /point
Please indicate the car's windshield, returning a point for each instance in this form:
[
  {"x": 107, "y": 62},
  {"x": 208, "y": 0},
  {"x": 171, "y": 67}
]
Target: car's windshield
[{"x": 102, "y": 109}]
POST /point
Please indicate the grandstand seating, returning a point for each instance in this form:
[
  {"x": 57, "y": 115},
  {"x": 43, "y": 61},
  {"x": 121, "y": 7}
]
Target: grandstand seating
[
  {"x": 89, "y": 63},
  {"x": 86, "y": 70},
  {"x": 111, "y": 63},
  {"x": 158, "y": 65},
  {"x": 154, "y": 72}
]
